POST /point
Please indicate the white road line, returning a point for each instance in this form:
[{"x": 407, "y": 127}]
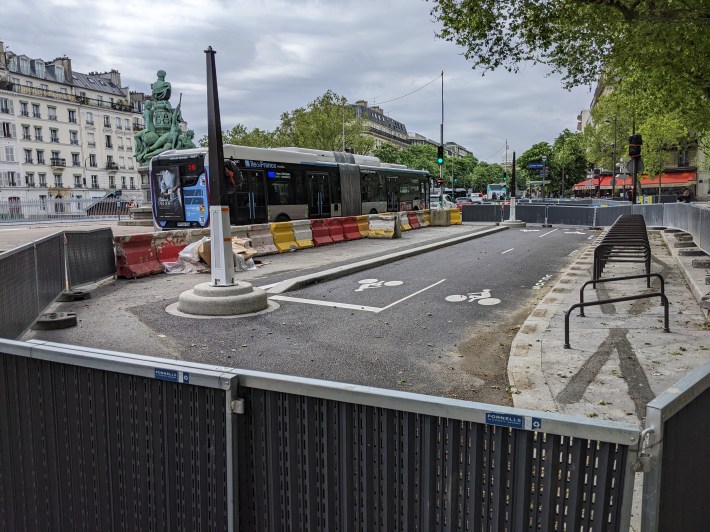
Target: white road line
[
  {"x": 326, "y": 303},
  {"x": 411, "y": 295},
  {"x": 507, "y": 251},
  {"x": 545, "y": 234},
  {"x": 266, "y": 286}
]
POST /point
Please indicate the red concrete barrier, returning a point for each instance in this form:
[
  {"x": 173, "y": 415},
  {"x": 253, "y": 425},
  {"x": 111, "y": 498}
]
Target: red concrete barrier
[
  {"x": 351, "y": 229},
  {"x": 321, "y": 233},
  {"x": 136, "y": 256},
  {"x": 335, "y": 227},
  {"x": 413, "y": 220},
  {"x": 169, "y": 244}
]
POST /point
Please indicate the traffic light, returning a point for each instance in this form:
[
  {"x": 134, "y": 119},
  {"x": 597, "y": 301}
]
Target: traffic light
[
  {"x": 505, "y": 177},
  {"x": 635, "y": 142},
  {"x": 440, "y": 155}
]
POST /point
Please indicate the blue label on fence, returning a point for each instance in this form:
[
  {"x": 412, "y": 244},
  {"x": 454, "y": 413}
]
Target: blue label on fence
[
  {"x": 505, "y": 420},
  {"x": 535, "y": 423},
  {"x": 166, "y": 375},
  {"x": 186, "y": 378}
]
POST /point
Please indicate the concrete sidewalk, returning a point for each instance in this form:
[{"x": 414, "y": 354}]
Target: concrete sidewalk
[{"x": 620, "y": 357}]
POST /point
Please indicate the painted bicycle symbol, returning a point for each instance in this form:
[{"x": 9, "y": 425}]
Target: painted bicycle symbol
[
  {"x": 374, "y": 283},
  {"x": 483, "y": 297}
]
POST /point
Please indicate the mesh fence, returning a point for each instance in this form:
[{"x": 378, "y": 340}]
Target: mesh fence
[{"x": 90, "y": 256}]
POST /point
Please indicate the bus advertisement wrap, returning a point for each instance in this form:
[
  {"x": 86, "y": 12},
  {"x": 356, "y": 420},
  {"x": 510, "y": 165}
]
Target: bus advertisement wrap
[{"x": 168, "y": 201}]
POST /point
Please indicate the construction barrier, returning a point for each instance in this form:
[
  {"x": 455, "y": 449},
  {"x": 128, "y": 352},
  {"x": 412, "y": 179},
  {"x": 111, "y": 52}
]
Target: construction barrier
[
  {"x": 384, "y": 226},
  {"x": 136, "y": 256},
  {"x": 440, "y": 217},
  {"x": 237, "y": 231},
  {"x": 455, "y": 217},
  {"x": 363, "y": 223},
  {"x": 284, "y": 238},
  {"x": 195, "y": 235},
  {"x": 424, "y": 217},
  {"x": 351, "y": 229},
  {"x": 404, "y": 221},
  {"x": 335, "y": 227},
  {"x": 261, "y": 239},
  {"x": 321, "y": 233},
  {"x": 413, "y": 219},
  {"x": 168, "y": 244},
  {"x": 303, "y": 234}
]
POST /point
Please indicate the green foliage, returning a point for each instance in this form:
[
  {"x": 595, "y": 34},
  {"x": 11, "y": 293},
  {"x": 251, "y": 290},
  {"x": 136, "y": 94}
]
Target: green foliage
[
  {"x": 567, "y": 161},
  {"x": 535, "y": 154},
  {"x": 320, "y": 126},
  {"x": 388, "y": 153},
  {"x": 660, "y": 134},
  {"x": 658, "y": 52},
  {"x": 484, "y": 174}
]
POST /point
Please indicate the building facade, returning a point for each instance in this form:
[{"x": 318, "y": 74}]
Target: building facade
[
  {"x": 381, "y": 127},
  {"x": 65, "y": 134}
]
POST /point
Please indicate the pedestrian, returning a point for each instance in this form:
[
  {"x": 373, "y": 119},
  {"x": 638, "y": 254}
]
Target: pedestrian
[{"x": 685, "y": 197}]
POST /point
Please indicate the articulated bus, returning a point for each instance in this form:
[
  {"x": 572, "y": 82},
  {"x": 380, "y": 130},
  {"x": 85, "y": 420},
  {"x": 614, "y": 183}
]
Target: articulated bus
[{"x": 282, "y": 184}]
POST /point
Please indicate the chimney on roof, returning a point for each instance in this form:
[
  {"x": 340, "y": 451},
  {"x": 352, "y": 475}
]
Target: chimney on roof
[
  {"x": 114, "y": 77},
  {"x": 377, "y": 109},
  {"x": 361, "y": 103},
  {"x": 66, "y": 63}
]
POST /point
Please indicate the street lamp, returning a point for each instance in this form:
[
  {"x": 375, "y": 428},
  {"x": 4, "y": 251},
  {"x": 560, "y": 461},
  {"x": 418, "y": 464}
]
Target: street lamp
[
  {"x": 544, "y": 174},
  {"x": 613, "y": 158}
]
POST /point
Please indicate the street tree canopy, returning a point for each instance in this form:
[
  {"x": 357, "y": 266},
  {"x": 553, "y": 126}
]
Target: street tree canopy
[{"x": 658, "y": 51}]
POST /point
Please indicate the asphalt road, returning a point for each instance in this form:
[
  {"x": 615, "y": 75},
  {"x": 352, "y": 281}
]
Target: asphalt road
[{"x": 395, "y": 326}]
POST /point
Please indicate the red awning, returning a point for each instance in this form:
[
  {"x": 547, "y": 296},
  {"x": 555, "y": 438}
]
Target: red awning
[{"x": 669, "y": 179}]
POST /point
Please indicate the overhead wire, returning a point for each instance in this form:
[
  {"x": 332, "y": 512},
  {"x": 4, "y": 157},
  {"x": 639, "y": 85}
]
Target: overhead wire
[{"x": 409, "y": 93}]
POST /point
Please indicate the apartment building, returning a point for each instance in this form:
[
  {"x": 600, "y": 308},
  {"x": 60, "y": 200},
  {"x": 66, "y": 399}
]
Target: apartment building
[
  {"x": 380, "y": 126},
  {"x": 65, "y": 134}
]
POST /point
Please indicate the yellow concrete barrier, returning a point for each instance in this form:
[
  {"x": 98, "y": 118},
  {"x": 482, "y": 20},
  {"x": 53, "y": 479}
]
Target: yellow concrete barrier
[
  {"x": 363, "y": 225},
  {"x": 455, "y": 217},
  {"x": 284, "y": 239},
  {"x": 404, "y": 221},
  {"x": 424, "y": 218},
  {"x": 384, "y": 226}
]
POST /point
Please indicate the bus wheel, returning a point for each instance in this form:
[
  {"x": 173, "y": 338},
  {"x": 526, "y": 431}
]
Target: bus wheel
[
  {"x": 283, "y": 218},
  {"x": 373, "y": 211}
]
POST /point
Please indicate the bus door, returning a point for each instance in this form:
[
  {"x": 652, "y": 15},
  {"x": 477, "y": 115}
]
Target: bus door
[
  {"x": 392, "y": 194},
  {"x": 250, "y": 199},
  {"x": 318, "y": 195}
]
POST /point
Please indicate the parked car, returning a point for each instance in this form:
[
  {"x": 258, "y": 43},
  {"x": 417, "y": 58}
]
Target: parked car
[
  {"x": 460, "y": 202},
  {"x": 477, "y": 198},
  {"x": 437, "y": 202}
]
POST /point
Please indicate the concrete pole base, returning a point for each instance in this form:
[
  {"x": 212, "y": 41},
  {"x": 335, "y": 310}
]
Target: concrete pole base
[
  {"x": 208, "y": 300},
  {"x": 513, "y": 223}
]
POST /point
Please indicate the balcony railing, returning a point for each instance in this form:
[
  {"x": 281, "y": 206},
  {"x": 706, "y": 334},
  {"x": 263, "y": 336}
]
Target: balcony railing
[
  {"x": 53, "y": 117},
  {"x": 81, "y": 100},
  {"x": 54, "y": 139},
  {"x": 5, "y": 110},
  {"x": 112, "y": 167},
  {"x": 73, "y": 141},
  {"x": 91, "y": 144},
  {"x": 57, "y": 162},
  {"x": 39, "y": 138},
  {"x": 24, "y": 113},
  {"x": 36, "y": 115},
  {"x": 72, "y": 120},
  {"x": 138, "y": 127}
]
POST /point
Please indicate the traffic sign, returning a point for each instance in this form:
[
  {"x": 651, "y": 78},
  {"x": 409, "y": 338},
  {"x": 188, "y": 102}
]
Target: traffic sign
[{"x": 533, "y": 166}]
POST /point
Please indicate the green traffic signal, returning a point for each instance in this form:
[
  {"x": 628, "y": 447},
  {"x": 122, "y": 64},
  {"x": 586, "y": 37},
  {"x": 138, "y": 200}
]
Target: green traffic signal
[{"x": 440, "y": 155}]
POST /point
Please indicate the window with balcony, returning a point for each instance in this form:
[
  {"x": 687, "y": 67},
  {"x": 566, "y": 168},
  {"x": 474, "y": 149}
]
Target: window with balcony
[
  {"x": 42, "y": 180},
  {"x": 77, "y": 181},
  {"x": 9, "y": 130},
  {"x": 52, "y": 112},
  {"x": 111, "y": 181},
  {"x": 127, "y": 124},
  {"x": 133, "y": 182},
  {"x": 40, "y": 156},
  {"x": 26, "y": 132},
  {"x": 43, "y": 201},
  {"x": 118, "y": 123},
  {"x": 35, "y": 111},
  {"x": 54, "y": 135},
  {"x": 109, "y": 142},
  {"x": 72, "y": 116},
  {"x": 90, "y": 118},
  {"x": 23, "y": 109},
  {"x": 58, "y": 180},
  {"x": 38, "y": 133},
  {"x": 30, "y": 179},
  {"x": 10, "y": 154},
  {"x": 123, "y": 181},
  {"x": 74, "y": 137},
  {"x": 107, "y": 121},
  {"x": 6, "y": 106},
  {"x": 28, "y": 156},
  {"x": 29, "y": 84},
  {"x": 92, "y": 160},
  {"x": 75, "y": 161},
  {"x": 121, "y": 163},
  {"x": 9, "y": 179},
  {"x": 94, "y": 181}
]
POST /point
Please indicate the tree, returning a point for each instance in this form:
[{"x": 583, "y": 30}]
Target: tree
[
  {"x": 484, "y": 174},
  {"x": 388, "y": 153},
  {"x": 659, "y": 135},
  {"x": 658, "y": 52},
  {"x": 568, "y": 163},
  {"x": 532, "y": 156},
  {"x": 320, "y": 126}
]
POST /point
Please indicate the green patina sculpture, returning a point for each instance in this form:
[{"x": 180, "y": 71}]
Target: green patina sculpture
[{"x": 162, "y": 124}]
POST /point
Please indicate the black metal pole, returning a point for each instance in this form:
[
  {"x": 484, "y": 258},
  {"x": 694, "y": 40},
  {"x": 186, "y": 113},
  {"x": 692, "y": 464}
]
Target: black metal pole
[{"x": 214, "y": 134}]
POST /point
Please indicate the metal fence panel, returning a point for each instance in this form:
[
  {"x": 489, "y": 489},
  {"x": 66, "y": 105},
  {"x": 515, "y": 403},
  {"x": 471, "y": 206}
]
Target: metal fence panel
[
  {"x": 532, "y": 214},
  {"x": 652, "y": 214},
  {"x": 18, "y": 291},
  {"x": 675, "y": 488},
  {"x": 51, "y": 269},
  {"x": 65, "y": 210},
  {"x": 560, "y": 214},
  {"x": 90, "y": 255},
  {"x": 481, "y": 213},
  {"x": 694, "y": 219},
  {"x": 87, "y": 448},
  {"x": 310, "y": 463}
]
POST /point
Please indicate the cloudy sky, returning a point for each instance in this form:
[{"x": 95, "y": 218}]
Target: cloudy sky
[{"x": 275, "y": 56}]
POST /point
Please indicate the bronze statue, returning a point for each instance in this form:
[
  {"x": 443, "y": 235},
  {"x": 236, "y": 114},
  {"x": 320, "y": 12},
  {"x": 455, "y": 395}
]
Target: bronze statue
[{"x": 162, "y": 124}]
